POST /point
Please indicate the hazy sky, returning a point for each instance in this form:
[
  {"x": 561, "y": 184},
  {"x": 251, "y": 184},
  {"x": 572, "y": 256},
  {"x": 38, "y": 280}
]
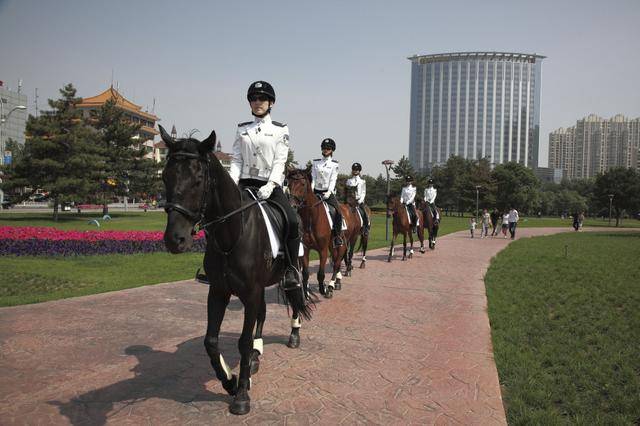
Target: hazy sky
[{"x": 339, "y": 67}]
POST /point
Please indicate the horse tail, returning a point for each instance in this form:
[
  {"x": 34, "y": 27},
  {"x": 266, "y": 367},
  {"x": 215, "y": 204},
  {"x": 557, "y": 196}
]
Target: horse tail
[{"x": 302, "y": 305}]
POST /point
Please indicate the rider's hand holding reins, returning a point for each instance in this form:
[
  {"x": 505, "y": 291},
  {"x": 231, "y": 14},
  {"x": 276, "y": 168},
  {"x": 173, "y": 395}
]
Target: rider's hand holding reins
[
  {"x": 326, "y": 195},
  {"x": 265, "y": 190}
]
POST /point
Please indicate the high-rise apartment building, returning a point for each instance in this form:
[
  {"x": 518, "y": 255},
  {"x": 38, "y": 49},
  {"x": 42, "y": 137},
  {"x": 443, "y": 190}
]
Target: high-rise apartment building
[
  {"x": 595, "y": 145},
  {"x": 475, "y": 105},
  {"x": 13, "y": 117}
]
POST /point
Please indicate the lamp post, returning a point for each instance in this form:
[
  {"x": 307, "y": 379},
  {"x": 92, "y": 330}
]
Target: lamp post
[
  {"x": 387, "y": 165},
  {"x": 610, "y": 205},
  {"x": 3, "y": 119},
  {"x": 477, "y": 200}
]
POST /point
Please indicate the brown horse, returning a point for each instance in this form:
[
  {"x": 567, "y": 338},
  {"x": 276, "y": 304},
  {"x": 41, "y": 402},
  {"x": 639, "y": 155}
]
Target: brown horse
[
  {"x": 316, "y": 230},
  {"x": 401, "y": 225},
  {"x": 361, "y": 230},
  {"x": 430, "y": 223}
]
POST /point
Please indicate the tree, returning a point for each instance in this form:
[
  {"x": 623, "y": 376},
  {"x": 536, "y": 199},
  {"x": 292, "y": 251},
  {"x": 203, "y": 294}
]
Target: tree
[
  {"x": 624, "y": 185},
  {"x": 60, "y": 156},
  {"x": 516, "y": 186},
  {"x": 401, "y": 169}
]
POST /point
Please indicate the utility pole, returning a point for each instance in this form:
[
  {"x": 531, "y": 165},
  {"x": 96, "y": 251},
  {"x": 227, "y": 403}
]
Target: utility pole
[
  {"x": 387, "y": 165},
  {"x": 610, "y": 205},
  {"x": 477, "y": 200}
]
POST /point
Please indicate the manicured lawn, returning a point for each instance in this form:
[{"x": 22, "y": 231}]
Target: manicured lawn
[{"x": 566, "y": 329}]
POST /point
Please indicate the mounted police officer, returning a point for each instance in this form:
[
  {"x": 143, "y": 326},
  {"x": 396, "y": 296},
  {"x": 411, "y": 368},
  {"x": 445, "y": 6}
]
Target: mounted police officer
[
  {"x": 360, "y": 191},
  {"x": 430, "y": 194},
  {"x": 324, "y": 175},
  {"x": 408, "y": 198},
  {"x": 258, "y": 160}
]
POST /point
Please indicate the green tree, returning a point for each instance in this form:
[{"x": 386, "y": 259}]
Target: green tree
[
  {"x": 516, "y": 186},
  {"x": 60, "y": 156},
  {"x": 624, "y": 185},
  {"x": 401, "y": 169}
]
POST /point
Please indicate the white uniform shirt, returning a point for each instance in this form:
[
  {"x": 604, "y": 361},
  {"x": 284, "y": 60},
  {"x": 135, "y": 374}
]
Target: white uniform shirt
[
  {"x": 260, "y": 150},
  {"x": 430, "y": 194},
  {"x": 360, "y": 185},
  {"x": 324, "y": 174},
  {"x": 408, "y": 194},
  {"x": 513, "y": 215}
]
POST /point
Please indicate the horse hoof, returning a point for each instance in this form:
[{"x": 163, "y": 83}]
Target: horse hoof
[
  {"x": 338, "y": 285},
  {"x": 362, "y": 264},
  {"x": 231, "y": 386},
  {"x": 240, "y": 407},
  {"x": 294, "y": 342},
  {"x": 329, "y": 293},
  {"x": 254, "y": 363},
  {"x": 389, "y": 259},
  {"x": 422, "y": 250}
]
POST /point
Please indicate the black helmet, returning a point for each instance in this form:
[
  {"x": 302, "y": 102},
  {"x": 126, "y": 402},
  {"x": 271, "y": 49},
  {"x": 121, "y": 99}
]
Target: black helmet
[
  {"x": 430, "y": 181},
  {"x": 328, "y": 143},
  {"x": 408, "y": 178},
  {"x": 356, "y": 166},
  {"x": 261, "y": 88}
]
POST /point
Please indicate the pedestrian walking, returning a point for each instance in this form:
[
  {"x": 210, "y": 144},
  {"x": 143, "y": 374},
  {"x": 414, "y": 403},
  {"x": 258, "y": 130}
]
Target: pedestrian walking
[
  {"x": 495, "y": 216},
  {"x": 472, "y": 226},
  {"x": 486, "y": 223},
  {"x": 505, "y": 223},
  {"x": 513, "y": 221}
]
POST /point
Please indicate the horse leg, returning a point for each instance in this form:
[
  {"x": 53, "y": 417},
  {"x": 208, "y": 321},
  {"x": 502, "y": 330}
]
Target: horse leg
[
  {"x": 323, "y": 261},
  {"x": 393, "y": 237},
  {"x": 216, "y": 306},
  {"x": 257, "y": 337},
  {"x": 305, "y": 272},
  {"x": 421, "y": 237},
  {"x": 404, "y": 245},
  {"x": 364, "y": 240},
  {"x": 336, "y": 276},
  {"x": 294, "y": 337},
  {"x": 242, "y": 403},
  {"x": 349, "y": 258}
]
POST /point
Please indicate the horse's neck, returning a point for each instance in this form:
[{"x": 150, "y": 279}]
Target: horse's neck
[
  {"x": 315, "y": 207},
  {"x": 224, "y": 196}
]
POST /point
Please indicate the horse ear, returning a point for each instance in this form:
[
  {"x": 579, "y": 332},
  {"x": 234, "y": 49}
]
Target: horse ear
[
  {"x": 289, "y": 168},
  {"x": 208, "y": 144},
  {"x": 166, "y": 137}
]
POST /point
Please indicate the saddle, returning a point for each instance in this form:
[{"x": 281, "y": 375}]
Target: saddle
[
  {"x": 275, "y": 220},
  {"x": 331, "y": 214}
]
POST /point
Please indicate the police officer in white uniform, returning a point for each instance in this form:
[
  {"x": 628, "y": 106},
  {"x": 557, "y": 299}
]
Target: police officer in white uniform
[
  {"x": 430, "y": 194},
  {"x": 258, "y": 160},
  {"x": 324, "y": 175},
  {"x": 408, "y": 198},
  {"x": 359, "y": 186}
]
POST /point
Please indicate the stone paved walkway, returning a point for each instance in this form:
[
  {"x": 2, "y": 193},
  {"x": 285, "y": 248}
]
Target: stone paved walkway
[{"x": 406, "y": 342}]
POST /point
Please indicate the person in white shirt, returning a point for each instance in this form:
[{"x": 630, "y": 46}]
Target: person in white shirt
[
  {"x": 430, "y": 194},
  {"x": 259, "y": 155},
  {"x": 513, "y": 221},
  {"x": 505, "y": 223},
  {"x": 324, "y": 175},
  {"x": 408, "y": 198},
  {"x": 359, "y": 186}
]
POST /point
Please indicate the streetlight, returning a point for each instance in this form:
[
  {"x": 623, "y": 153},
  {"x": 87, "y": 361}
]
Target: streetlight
[
  {"x": 387, "y": 165},
  {"x": 477, "y": 199},
  {"x": 3, "y": 119},
  {"x": 610, "y": 204}
]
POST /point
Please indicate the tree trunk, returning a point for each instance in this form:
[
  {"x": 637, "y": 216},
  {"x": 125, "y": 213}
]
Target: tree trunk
[
  {"x": 105, "y": 209},
  {"x": 55, "y": 209}
]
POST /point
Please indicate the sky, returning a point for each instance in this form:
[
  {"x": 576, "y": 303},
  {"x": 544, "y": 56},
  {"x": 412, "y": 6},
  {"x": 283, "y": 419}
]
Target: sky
[{"x": 339, "y": 67}]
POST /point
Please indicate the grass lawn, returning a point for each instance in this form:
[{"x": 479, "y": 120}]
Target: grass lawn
[
  {"x": 566, "y": 330},
  {"x": 37, "y": 279}
]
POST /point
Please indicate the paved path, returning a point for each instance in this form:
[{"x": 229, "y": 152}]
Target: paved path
[{"x": 406, "y": 342}]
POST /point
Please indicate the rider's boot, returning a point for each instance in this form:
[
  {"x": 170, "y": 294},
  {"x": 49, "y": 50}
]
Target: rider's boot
[
  {"x": 337, "y": 239},
  {"x": 291, "y": 273},
  {"x": 201, "y": 277}
]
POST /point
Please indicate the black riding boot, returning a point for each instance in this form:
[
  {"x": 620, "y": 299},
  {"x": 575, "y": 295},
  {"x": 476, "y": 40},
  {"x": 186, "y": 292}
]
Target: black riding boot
[
  {"x": 201, "y": 277},
  {"x": 291, "y": 274}
]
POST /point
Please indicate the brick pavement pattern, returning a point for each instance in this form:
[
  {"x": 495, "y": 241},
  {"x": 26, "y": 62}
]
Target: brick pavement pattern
[{"x": 406, "y": 342}]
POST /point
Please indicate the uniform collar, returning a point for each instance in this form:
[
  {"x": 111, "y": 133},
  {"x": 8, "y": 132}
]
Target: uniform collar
[
  {"x": 261, "y": 120},
  {"x": 326, "y": 159}
]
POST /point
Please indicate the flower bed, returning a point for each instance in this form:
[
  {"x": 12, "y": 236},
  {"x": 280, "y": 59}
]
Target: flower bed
[{"x": 46, "y": 241}]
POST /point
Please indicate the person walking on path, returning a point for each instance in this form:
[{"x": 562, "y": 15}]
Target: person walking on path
[
  {"x": 505, "y": 223},
  {"x": 513, "y": 221},
  {"x": 472, "y": 226},
  {"x": 486, "y": 223},
  {"x": 495, "y": 215}
]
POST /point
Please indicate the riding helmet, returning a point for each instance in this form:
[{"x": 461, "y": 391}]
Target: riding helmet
[
  {"x": 356, "y": 166},
  {"x": 262, "y": 88},
  {"x": 408, "y": 178},
  {"x": 430, "y": 181},
  {"x": 328, "y": 143}
]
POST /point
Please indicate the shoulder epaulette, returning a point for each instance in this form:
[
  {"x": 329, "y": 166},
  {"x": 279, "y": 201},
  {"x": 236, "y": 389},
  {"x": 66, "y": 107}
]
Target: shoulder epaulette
[
  {"x": 317, "y": 159},
  {"x": 277, "y": 123},
  {"x": 335, "y": 161},
  {"x": 245, "y": 123}
]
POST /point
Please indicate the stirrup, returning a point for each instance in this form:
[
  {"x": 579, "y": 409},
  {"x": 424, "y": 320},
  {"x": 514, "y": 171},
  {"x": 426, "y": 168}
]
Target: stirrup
[
  {"x": 201, "y": 278},
  {"x": 291, "y": 285},
  {"x": 337, "y": 241}
]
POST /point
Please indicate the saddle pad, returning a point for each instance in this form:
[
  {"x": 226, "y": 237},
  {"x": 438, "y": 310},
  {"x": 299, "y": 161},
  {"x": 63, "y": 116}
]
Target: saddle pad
[
  {"x": 360, "y": 216},
  {"x": 409, "y": 216},
  {"x": 326, "y": 209}
]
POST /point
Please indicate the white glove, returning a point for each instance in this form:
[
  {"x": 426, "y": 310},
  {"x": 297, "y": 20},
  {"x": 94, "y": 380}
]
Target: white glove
[
  {"x": 326, "y": 195},
  {"x": 265, "y": 190}
]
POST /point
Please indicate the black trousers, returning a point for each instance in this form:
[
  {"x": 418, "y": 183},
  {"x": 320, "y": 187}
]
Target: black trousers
[
  {"x": 278, "y": 196},
  {"x": 333, "y": 202},
  {"x": 412, "y": 213},
  {"x": 365, "y": 217}
]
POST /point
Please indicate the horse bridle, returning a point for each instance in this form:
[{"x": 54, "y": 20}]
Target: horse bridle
[{"x": 301, "y": 201}]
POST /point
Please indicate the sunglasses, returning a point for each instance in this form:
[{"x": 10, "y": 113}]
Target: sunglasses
[{"x": 258, "y": 98}]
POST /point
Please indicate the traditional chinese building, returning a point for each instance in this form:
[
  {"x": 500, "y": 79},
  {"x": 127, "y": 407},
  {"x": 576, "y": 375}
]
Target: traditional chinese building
[{"x": 133, "y": 112}]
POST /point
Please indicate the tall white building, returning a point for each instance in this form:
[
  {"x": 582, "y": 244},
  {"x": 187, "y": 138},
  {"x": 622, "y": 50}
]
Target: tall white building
[
  {"x": 14, "y": 120},
  {"x": 475, "y": 105}
]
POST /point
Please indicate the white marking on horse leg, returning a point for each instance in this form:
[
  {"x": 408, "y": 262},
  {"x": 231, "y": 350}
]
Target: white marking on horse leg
[
  {"x": 258, "y": 345},
  {"x": 364, "y": 258},
  {"x": 225, "y": 367},
  {"x": 339, "y": 275},
  {"x": 295, "y": 322},
  {"x": 332, "y": 284},
  {"x": 411, "y": 251}
]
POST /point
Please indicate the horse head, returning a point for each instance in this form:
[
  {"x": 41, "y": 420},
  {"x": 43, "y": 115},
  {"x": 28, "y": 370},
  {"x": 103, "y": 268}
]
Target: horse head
[
  {"x": 186, "y": 180},
  {"x": 350, "y": 192},
  {"x": 392, "y": 204},
  {"x": 299, "y": 184}
]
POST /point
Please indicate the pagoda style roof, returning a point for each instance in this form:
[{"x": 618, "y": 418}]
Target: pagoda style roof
[{"x": 121, "y": 101}]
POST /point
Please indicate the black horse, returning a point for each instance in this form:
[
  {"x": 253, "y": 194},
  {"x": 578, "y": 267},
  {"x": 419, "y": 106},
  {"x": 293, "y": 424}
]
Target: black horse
[{"x": 238, "y": 260}]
